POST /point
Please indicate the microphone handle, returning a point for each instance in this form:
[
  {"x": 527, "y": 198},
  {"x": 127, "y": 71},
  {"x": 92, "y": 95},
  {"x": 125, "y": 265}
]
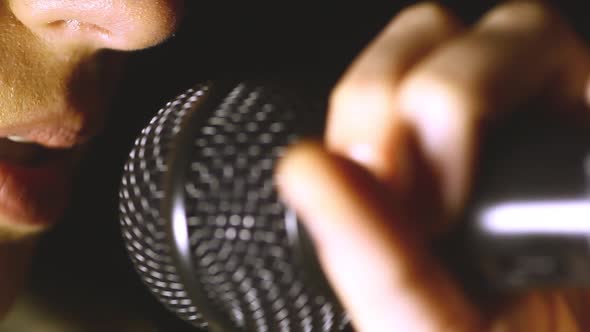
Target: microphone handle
[
  {"x": 527, "y": 224},
  {"x": 489, "y": 262}
]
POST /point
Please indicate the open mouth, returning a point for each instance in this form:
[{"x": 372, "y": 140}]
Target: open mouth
[
  {"x": 35, "y": 183},
  {"x": 18, "y": 150}
]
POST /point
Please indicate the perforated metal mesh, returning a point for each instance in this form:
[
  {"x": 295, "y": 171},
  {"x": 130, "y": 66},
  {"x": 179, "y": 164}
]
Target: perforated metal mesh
[
  {"x": 235, "y": 220},
  {"x": 140, "y": 196}
]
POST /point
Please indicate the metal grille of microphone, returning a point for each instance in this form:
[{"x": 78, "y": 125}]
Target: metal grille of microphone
[{"x": 202, "y": 221}]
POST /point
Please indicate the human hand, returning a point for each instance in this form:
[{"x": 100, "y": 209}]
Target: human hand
[{"x": 397, "y": 164}]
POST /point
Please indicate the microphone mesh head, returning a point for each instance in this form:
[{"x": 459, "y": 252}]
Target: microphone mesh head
[{"x": 243, "y": 260}]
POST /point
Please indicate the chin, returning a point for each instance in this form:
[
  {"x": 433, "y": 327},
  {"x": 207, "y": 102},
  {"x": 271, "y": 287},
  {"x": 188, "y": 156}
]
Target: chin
[
  {"x": 13, "y": 230},
  {"x": 15, "y": 259}
]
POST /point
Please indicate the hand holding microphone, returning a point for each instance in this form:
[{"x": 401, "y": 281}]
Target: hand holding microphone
[
  {"x": 444, "y": 81},
  {"x": 213, "y": 241}
]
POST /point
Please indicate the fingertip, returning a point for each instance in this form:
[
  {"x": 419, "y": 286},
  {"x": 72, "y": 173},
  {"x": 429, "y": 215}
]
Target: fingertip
[
  {"x": 293, "y": 164},
  {"x": 325, "y": 189},
  {"x": 297, "y": 176}
]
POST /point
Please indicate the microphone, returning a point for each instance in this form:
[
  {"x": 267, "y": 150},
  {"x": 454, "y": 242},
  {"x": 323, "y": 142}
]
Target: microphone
[
  {"x": 209, "y": 236},
  {"x": 202, "y": 221}
]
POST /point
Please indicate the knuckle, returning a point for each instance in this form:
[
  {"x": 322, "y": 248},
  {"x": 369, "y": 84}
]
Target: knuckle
[
  {"x": 434, "y": 11},
  {"x": 426, "y": 12},
  {"x": 438, "y": 100},
  {"x": 529, "y": 15},
  {"x": 431, "y": 10},
  {"x": 372, "y": 93}
]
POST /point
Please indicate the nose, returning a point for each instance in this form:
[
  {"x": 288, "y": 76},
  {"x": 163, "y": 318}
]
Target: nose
[{"x": 113, "y": 24}]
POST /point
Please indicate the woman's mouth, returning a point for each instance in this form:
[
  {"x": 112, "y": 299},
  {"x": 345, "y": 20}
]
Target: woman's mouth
[{"x": 35, "y": 183}]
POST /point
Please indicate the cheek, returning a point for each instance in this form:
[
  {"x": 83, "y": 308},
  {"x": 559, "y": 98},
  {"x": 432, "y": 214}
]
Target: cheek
[{"x": 39, "y": 81}]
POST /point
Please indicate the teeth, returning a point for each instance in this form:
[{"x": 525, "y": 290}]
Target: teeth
[{"x": 18, "y": 139}]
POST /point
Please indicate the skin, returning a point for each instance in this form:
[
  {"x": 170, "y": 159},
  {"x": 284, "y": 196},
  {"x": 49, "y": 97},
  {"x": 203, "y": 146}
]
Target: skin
[
  {"x": 58, "y": 62},
  {"x": 402, "y": 124}
]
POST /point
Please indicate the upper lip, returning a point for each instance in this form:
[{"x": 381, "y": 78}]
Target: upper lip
[{"x": 60, "y": 136}]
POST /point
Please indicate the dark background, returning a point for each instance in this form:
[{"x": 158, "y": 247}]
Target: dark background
[{"x": 81, "y": 269}]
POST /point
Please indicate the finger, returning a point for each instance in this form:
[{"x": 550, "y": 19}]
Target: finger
[
  {"x": 516, "y": 51},
  {"x": 376, "y": 261},
  {"x": 362, "y": 120}
]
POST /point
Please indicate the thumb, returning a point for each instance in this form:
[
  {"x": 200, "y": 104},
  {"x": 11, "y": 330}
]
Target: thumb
[{"x": 375, "y": 259}]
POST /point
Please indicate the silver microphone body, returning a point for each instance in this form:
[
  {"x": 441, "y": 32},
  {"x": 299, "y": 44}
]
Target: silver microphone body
[{"x": 210, "y": 238}]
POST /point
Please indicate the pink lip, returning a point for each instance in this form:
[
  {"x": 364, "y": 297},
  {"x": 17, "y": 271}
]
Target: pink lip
[
  {"x": 37, "y": 195},
  {"x": 34, "y": 196},
  {"x": 52, "y": 136}
]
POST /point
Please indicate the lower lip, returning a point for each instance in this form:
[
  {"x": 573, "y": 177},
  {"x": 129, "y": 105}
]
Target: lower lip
[{"x": 34, "y": 196}]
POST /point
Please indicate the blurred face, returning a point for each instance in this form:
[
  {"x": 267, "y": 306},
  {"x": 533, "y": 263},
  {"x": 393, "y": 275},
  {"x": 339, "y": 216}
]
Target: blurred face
[{"x": 56, "y": 67}]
